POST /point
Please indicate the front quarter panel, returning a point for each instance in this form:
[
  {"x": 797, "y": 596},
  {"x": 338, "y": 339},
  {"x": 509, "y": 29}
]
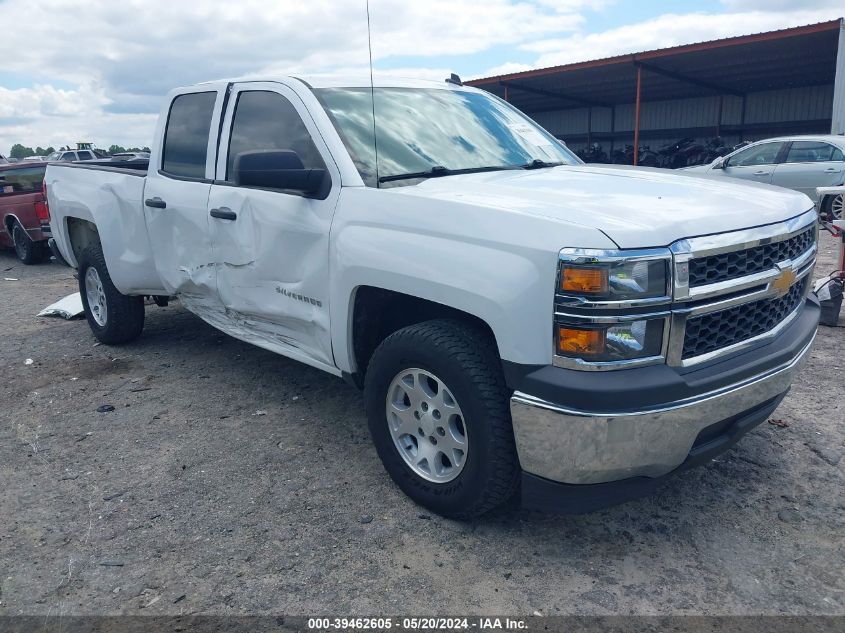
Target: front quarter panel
[{"x": 496, "y": 264}]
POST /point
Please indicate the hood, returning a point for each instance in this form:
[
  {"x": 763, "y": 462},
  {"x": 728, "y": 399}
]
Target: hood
[{"x": 636, "y": 207}]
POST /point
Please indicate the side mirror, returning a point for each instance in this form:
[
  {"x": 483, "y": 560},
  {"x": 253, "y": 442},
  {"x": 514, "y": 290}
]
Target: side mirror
[
  {"x": 280, "y": 169},
  {"x": 719, "y": 163}
]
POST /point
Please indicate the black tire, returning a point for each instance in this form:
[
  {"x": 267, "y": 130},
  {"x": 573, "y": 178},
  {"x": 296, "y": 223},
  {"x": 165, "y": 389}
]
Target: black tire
[
  {"x": 28, "y": 251},
  {"x": 124, "y": 314},
  {"x": 466, "y": 361}
]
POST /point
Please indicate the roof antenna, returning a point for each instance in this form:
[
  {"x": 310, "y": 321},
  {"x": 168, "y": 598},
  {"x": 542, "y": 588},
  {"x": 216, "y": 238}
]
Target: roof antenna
[
  {"x": 454, "y": 79},
  {"x": 372, "y": 89}
]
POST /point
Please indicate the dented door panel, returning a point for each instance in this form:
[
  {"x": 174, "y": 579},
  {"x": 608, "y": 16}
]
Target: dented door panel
[{"x": 271, "y": 262}]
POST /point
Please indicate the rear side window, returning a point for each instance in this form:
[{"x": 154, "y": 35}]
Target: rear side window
[
  {"x": 186, "y": 136},
  {"x": 85, "y": 155},
  {"x": 812, "y": 152},
  {"x": 27, "y": 180},
  {"x": 266, "y": 120}
]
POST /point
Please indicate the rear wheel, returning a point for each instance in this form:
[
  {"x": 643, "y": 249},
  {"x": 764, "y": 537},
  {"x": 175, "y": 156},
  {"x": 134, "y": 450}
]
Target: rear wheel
[
  {"x": 439, "y": 415},
  {"x": 114, "y": 318},
  {"x": 28, "y": 251}
]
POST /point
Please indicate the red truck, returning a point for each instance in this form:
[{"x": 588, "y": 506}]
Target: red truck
[{"x": 23, "y": 211}]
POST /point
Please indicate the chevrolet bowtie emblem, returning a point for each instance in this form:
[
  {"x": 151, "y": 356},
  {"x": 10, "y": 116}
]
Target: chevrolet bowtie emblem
[{"x": 783, "y": 282}]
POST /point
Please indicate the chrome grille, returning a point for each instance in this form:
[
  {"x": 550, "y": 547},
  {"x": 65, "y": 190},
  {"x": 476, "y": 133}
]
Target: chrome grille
[
  {"x": 716, "y": 330},
  {"x": 736, "y": 264}
]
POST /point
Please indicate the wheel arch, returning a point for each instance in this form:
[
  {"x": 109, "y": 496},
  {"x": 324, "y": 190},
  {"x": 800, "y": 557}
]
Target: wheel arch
[
  {"x": 9, "y": 222},
  {"x": 81, "y": 234},
  {"x": 375, "y": 313}
]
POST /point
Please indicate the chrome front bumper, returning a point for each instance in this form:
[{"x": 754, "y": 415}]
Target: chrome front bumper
[{"x": 578, "y": 447}]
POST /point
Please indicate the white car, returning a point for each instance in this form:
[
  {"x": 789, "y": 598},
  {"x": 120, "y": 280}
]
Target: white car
[
  {"x": 72, "y": 156},
  {"x": 518, "y": 320},
  {"x": 801, "y": 163}
]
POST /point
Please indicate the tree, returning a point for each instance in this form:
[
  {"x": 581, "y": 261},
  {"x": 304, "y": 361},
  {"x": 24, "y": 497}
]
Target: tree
[
  {"x": 19, "y": 151},
  {"x": 116, "y": 149}
]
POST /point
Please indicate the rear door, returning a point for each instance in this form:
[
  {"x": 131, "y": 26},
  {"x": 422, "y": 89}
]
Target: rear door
[
  {"x": 755, "y": 163},
  {"x": 176, "y": 193},
  {"x": 272, "y": 258},
  {"x": 810, "y": 164}
]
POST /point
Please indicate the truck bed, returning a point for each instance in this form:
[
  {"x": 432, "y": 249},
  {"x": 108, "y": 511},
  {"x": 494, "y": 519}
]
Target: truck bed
[{"x": 109, "y": 195}]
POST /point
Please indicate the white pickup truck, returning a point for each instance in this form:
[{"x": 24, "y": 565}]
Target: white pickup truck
[{"x": 520, "y": 323}]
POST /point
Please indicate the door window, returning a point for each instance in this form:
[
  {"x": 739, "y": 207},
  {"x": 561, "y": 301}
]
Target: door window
[
  {"x": 266, "y": 120},
  {"x": 763, "y": 154},
  {"x": 69, "y": 157},
  {"x": 85, "y": 155},
  {"x": 812, "y": 152},
  {"x": 186, "y": 136}
]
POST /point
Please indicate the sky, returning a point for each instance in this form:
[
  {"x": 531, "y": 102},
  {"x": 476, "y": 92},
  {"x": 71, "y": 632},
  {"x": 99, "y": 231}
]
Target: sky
[{"x": 97, "y": 70}]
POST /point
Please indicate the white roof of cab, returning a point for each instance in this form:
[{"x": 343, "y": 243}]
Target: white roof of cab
[{"x": 355, "y": 81}]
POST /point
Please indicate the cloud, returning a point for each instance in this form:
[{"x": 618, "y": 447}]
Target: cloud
[
  {"x": 122, "y": 57},
  {"x": 782, "y": 5}
]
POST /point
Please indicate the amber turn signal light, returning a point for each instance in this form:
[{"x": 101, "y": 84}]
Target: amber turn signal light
[
  {"x": 583, "y": 280},
  {"x": 576, "y": 342}
]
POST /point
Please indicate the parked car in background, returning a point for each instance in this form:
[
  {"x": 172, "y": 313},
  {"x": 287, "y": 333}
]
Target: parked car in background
[
  {"x": 801, "y": 163},
  {"x": 3, "y": 160},
  {"x": 130, "y": 156},
  {"x": 72, "y": 155},
  {"x": 35, "y": 159},
  {"x": 23, "y": 210}
]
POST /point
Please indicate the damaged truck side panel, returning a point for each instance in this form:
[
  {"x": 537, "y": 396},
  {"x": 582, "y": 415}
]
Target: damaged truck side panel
[{"x": 105, "y": 202}]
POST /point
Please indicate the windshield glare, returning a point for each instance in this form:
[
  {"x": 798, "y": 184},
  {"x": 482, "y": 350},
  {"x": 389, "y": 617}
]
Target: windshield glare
[{"x": 418, "y": 129}]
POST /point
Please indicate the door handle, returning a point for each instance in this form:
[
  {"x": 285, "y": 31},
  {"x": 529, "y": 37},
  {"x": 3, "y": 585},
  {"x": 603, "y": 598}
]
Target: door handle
[
  {"x": 156, "y": 203},
  {"x": 224, "y": 213},
  {"x": 761, "y": 173},
  {"x": 830, "y": 170}
]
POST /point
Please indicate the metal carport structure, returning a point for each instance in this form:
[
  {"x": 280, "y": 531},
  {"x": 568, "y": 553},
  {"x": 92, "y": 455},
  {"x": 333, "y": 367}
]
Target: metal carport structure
[{"x": 790, "y": 81}]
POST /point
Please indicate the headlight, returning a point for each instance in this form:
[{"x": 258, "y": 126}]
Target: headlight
[
  {"x": 609, "y": 342},
  {"x": 612, "y": 307},
  {"x": 598, "y": 275}
]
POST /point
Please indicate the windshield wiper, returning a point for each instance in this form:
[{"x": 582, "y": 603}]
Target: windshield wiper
[
  {"x": 440, "y": 170},
  {"x": 539, "y": 164}
]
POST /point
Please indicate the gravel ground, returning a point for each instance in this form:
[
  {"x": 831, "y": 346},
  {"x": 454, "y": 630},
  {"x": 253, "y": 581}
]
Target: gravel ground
[{"x": 228, "y": 480}]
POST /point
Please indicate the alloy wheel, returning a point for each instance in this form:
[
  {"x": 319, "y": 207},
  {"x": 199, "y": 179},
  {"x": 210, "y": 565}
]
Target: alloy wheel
[
  {"x": 427, "y": 425},
  {"x": 96, "y": 296}
]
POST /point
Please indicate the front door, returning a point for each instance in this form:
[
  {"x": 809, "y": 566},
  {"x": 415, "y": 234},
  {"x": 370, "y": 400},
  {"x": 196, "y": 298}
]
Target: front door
[
  {"x": 176, "y": 196},
  {"x": 271, "y": 247}
]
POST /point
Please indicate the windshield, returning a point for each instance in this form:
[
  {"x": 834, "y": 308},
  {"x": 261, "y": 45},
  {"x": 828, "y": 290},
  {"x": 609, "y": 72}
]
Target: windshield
[
  {"x": 439, "y": 130},
  {"x": 54, "y": 156}
]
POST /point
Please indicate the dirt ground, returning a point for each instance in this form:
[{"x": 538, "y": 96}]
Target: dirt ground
[{"x": 228, "y": 480}]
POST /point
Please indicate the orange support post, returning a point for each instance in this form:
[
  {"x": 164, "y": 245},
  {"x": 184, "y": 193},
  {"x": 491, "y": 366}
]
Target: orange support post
[{"x": 637, "y": 116}]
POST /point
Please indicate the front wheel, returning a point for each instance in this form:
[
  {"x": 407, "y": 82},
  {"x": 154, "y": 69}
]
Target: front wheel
[
  {"x": 438, "y": 412},
  {"x": 114, "y": 318},
  {"x": 27, "y": 250}
]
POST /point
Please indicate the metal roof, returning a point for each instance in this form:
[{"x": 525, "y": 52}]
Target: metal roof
[{"x": 795, "y": 57}]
